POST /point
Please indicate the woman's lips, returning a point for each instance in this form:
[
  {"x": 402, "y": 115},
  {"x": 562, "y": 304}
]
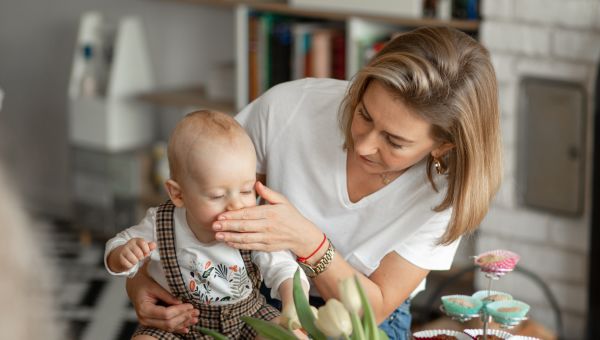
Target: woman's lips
[{"x": 366, "y": 160}]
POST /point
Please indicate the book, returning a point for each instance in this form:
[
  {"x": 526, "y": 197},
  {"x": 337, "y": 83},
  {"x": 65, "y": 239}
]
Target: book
[
  {"x": 280, "y": 52},
  {"x": 253, "y": 61}
]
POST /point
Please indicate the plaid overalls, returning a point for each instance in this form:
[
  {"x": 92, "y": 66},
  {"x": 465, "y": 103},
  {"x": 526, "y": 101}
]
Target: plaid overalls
[{"x": 224, "y": 318}]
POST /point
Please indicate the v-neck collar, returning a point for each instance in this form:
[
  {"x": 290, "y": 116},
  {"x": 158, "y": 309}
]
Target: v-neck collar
[{"x": 342, "y": 180}]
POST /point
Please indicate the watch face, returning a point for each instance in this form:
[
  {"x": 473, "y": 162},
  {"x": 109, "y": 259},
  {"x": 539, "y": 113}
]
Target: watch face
[{"x": 308, "y": 270}]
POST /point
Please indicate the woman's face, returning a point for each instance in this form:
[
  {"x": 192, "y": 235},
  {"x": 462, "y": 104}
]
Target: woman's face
[{"x": 387, "y": 135}]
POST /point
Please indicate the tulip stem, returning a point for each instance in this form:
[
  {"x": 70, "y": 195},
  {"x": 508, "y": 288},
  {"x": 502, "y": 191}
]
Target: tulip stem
[{"x": 358, "y": 333}]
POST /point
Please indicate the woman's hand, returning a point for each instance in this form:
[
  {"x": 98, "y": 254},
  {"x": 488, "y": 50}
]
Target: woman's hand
[
  {"x": 273, "y": 227},
  {"x": 145, "y": 294}
]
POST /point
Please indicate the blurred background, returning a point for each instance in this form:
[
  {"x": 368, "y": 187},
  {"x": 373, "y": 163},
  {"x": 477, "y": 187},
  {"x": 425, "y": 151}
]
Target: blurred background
[{"x": 92, "y": 89}]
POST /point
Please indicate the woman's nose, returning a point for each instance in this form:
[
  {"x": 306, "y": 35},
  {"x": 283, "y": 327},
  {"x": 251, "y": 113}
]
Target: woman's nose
[{"x": 366, "y": 144}]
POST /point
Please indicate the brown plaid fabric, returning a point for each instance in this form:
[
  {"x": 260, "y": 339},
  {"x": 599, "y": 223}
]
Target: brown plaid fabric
[{"x": 223, "y": 318}]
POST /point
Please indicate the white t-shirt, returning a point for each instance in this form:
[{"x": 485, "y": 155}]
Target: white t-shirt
[
  {"x": 213, "y": 272},
  {"x": 295, "y": 129}
]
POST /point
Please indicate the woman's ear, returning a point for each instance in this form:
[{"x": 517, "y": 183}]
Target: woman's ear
[
  {"x": 442, "y": 150},
  {"x": 175, "y": 193}
]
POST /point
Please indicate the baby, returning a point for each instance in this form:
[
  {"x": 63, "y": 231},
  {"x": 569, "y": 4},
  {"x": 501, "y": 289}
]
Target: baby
[{"x": 212, "y": 165}]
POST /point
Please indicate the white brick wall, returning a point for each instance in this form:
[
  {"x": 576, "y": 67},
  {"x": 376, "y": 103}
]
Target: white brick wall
[
  {"x": 553, "y": 69},
  {"x": 577, "y": 45},
  {"x": 552, "y": 39},
  {"x": 498, "y": 9},
  {"x": 516, "y": 38},
  {"x": 504, "y": 65},
  {"x": 517, "y": 224},
  {"x": 537, "y": 11},
  {"x": 578, "y": 13},
  {"x": 570, "y": 233}
]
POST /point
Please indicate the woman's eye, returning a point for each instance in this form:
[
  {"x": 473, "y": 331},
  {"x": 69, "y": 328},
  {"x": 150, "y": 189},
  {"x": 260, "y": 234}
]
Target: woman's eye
[
  {"x": 394, "y": 145},
  {"x": 364, "y": 115}
]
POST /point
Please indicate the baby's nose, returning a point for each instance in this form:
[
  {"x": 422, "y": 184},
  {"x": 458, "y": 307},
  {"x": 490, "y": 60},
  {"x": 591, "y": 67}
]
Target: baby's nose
[{"x": 235, "y": 203}]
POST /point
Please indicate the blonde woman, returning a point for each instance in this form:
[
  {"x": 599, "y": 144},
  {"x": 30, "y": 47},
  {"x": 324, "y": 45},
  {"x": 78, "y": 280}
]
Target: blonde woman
[{"x": 389, "y": 195}]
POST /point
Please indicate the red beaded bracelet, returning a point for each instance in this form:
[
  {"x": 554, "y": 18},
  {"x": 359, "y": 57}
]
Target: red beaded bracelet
[{"x": 303, "y": 259}]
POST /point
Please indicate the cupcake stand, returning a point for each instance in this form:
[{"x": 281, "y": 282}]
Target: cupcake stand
[{"x": 494, "y": 265}]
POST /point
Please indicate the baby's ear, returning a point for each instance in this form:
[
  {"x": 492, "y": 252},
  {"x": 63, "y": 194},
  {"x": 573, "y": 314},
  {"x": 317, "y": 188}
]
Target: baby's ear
[{"x": 174, "y": 191}]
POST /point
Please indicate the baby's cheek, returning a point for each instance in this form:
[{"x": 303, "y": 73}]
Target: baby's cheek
[{"x": 250, "y": 202}]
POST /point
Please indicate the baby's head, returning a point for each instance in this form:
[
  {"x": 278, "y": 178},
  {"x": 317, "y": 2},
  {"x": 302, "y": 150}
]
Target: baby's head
[{"x": 212, "y": 162}]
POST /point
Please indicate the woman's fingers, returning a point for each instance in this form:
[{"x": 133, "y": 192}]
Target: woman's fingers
[
  {"x": 252, "y": 213},
  {"x": 240, "y": 237},
  {"x": 254, "y": 246},
  {"x": 271, "y": 196},
  {"x": 241, "y": 226},
  {"x": 171, "y": 319}
]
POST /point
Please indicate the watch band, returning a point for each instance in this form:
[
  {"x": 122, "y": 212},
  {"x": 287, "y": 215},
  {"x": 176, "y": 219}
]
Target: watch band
[{"x": 321, "y": 265}]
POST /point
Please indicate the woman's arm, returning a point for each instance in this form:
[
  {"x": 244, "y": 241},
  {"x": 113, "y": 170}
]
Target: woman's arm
[
  {"x": 148, "y": 296},
  {"x": 387, "y": 287},
  {"x": 280, "y": 226}
]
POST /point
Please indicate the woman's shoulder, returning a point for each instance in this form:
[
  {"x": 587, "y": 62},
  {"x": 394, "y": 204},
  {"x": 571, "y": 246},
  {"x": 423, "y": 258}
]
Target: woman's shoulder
[{"x": 293, "y": 88}]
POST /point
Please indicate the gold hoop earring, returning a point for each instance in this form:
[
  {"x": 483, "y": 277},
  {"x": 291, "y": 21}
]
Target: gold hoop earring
[{"x": 438, "y": 166}]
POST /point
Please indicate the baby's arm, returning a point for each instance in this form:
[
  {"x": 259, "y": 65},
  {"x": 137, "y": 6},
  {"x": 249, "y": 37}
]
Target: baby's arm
[
  {"x": 125, "y": 256},
  {"x": 277, "y": 268},
  {"x": 120, "y": 245}
]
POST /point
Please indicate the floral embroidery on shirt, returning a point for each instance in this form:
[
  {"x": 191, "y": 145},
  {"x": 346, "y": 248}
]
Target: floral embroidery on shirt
[{"x": 200, "y": 281}]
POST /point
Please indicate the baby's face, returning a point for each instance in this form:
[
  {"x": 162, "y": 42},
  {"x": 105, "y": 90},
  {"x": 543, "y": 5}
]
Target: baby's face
[{"x": 221, "y": 179}]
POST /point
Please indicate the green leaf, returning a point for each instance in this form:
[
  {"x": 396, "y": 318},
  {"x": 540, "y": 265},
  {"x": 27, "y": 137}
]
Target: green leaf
[
  {"x": 212, "y": 333},
  {"x": 358, "y": 333},
  {"x": 305, "y": 315},
  {"x": 269, "y": 329},
  {"x": 383, "y": 335},
  {"x": 206, "y": 274},
  {"x": 371, "y": 330}
]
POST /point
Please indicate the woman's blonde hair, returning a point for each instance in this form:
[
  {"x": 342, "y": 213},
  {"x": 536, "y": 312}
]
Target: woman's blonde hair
[{"x": 447, "y": 78}]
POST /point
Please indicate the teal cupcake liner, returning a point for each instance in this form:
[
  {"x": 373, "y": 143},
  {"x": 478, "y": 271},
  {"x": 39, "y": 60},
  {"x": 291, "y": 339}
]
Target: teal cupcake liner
[
  {"x": 502, "y": 311},
  {"x": 461, "y": 304},
  {"x": 487, "y": 297}
]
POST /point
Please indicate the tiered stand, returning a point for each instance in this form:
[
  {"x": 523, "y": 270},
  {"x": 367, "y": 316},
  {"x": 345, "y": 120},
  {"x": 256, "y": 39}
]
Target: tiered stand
[{"x": 506, "y": 323}]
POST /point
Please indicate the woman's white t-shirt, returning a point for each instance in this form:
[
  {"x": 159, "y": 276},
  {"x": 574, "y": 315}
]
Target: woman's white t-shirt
[{"x": 299, "y": 145}]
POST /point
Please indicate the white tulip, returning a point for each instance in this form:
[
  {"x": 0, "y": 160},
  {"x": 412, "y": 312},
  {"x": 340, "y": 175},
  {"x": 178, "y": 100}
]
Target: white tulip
[
  {"x": 350, "y": 295},
  {"x": 333, "y": 319},
  {"x": 289, "y": 317}
]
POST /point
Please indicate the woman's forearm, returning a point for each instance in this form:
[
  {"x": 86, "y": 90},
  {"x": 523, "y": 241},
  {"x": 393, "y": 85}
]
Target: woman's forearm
[
  {"x": 328, "y": 282},
  {"x": 386, "y": 288}
]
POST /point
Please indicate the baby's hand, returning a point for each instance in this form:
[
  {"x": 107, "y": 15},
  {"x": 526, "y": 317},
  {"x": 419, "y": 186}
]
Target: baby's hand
[{"x": 134, "y": 251}]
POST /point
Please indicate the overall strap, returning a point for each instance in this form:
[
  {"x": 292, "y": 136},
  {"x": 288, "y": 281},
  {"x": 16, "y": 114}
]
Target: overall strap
[
  {"x": 251, "y": 268},
  {"x": 165, "y": 232}
]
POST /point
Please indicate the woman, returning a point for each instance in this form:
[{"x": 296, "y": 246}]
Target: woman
[{"x": 413, "y": 168}]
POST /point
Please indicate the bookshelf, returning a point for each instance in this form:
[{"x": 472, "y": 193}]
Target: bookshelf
[{"x": 359, "y": 29}]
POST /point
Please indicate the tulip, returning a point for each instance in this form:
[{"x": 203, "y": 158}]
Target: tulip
[
  {"x": 350, "y": 295},
  {"x": 333, "y": 319},
  {"x": 289, "y": 317}
]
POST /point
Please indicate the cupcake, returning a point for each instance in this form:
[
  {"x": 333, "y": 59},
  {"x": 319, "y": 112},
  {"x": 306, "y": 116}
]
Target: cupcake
[
  {"x": 491, "y": 296},
  {"x": 440, "y": 334},
  {"x": 503, "y": 311},
  {"x": 461, "y": 304},
  {"x": 497, "y": 261},
  {"x": 492, "y": 334}
]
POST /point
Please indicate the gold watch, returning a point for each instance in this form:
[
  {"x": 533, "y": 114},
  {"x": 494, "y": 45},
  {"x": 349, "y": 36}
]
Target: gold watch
[{"x": 321, "y": 265}]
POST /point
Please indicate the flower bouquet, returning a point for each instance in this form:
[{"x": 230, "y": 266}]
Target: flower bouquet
[{"x": 335, "y": 320}]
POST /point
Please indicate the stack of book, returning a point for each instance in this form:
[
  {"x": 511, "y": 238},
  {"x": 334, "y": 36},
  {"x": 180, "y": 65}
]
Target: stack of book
[{"x": 283, "y": 48}]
